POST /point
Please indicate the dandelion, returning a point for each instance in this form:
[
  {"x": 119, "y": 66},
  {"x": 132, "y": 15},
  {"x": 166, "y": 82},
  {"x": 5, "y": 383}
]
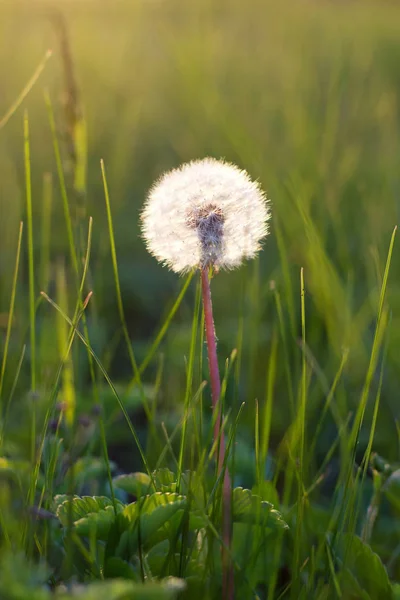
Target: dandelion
[{"x": 207, "y": 215}]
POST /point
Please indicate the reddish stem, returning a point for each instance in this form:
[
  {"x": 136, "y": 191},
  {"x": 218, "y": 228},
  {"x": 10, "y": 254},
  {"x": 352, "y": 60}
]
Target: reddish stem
[
  {"x": 213, "y": 363},
  {"x": 227, "y": 575}
]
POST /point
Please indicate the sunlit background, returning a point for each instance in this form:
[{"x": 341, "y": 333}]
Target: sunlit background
[{"x": 304, "y": 95}]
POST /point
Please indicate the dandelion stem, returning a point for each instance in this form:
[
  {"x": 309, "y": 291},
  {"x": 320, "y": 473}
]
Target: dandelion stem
[
  {"x": 219, "y": 439},
  {"x": 213, "y": 364}
]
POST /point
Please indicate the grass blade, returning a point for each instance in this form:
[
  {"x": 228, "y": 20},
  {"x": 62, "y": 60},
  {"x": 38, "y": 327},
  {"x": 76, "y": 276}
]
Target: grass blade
[
  {"x": 28, "y": 185},
  {"x": 14, "y": 107},
  {"x": 11, "y": 309},
  {"x": 119, "y": 298}
]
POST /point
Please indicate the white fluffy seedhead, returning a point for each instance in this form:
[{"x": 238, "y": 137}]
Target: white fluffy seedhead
[{"x": 206, "y": 212}]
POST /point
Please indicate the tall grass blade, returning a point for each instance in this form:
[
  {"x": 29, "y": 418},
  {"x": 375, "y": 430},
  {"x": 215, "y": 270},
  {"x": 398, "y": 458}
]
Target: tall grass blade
[
  {"x": 106, "y": 377},
  {"x": 163, "y": 330},
  {"x": 21, "y": 97},
  {"x": 119, "y": 299},
  {"x": 45, "y": 230},
  {"x": 28, "y": 184},
  {"x": 63, "y": 187},
  {"x": 10, "y": 312},
  {"x": 269, "y": 399},
  {"x": 67, "y": 378},
  {"x": 300, "y": 431},
  {"x": 189, "y": 380}
]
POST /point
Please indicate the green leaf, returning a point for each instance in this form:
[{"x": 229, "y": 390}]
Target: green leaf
[
  {"x": 365, "y": 566},
  {"x": 171, "y": 529},
  {"x": 267, "y": 492},
  {"x": 350, "y": 587},
  {"x": 81, "y": 507},
  {"x": 165, "y": 480},
  {"x": 119, "y": 589},
  {"x": 392, "y": 489},
  {"x": 192, "y": 486},
  {"x": 88, "y": 468},
  {"x": 98, "y": 523},
  {"x": 248, "y": 508},
  {"x": 251, "y": 550},
  {"x": 317, "y": 519},
  {"x": 144, "y": 518},
  {"x": 115, "y": 567},
  {"x": 89, "y": 514},
  {"x": 137, "y": 484},
  {"x": 156, "y": 557},
  {"x": 159, "y": 558}
]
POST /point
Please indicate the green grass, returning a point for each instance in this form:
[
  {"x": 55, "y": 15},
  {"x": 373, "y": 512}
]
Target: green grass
[{"x": 103, "y": 367}]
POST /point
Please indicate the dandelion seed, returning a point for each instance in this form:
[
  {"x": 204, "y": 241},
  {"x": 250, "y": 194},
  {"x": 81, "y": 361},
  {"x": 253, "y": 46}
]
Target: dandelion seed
[{"x": 206, "y": 212}]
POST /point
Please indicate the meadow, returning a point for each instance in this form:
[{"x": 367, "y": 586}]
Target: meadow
[{"x": 103, "y": 365}]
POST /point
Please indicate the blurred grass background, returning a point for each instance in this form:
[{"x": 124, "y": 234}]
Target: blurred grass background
[{"x": 306, "y": 97}]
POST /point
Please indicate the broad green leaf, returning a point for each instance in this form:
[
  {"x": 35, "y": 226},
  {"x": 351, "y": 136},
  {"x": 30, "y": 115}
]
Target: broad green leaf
[
  {"x": 82, "y": 507},
  {"x": 150, "y": 504},
  {"x": 174, "y": 525},
  {"x": 159, "y": 555},
  {"x": 165, "y": 480},
  {"x": 365, "y": 566},
  {"x": 119, "y": 589},
  {"x": 392, "y": 489},
  {"x": 144, "y": 518},
  {"x": 317, "y": 519},
  {"x": 267, "y": 492},
  {"x": 252, "y": 551},
  {"x": 192, "y": 486},
  {"x": 97, "y": 523},
  {"x": 89, "y": 467},
  {"x": 137, "y": 484},
  {"x": 156, "y": 557},
  {"x": 350, "y": 588},
  {"x": 116, "y": 567},
  {"x": 248, "y": 508}
]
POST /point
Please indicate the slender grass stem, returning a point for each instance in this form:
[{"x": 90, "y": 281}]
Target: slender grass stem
[
  {"x": 11, "y": 309},
  {"x": 189, "y": 381},
  {"x": 120, "y": 306},
  {"x": 30, "y": 251},
  {"x": 21, "y": 97}
]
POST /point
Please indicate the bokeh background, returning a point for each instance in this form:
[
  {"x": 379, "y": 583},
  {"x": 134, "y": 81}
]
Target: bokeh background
[{"x": 305, "y": 96}]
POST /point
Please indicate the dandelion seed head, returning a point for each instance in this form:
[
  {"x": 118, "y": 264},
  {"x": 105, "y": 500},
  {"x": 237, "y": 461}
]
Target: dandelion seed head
[{"x": 206, "y": 212}]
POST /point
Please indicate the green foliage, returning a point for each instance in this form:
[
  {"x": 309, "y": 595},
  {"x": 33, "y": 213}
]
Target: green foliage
[
  {"x": 88, "y": 515},
  {"x": 20, "y": 580},
  {"x": 361, "y": 570},
  {"x": 164, "y": 533},
  {"x": 142, "y": 520},
  {"x": 134, "y": 483},
  {"x": 392, "y": 489},
  {"x": 125, "y": 590},
  {"x": 109, "y": 490},
  {"x": 248, "y": 508}
]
